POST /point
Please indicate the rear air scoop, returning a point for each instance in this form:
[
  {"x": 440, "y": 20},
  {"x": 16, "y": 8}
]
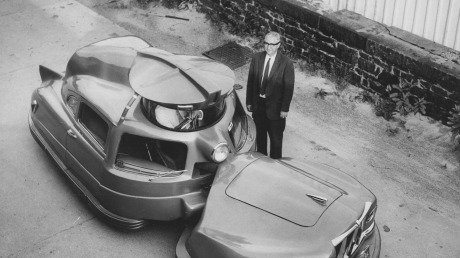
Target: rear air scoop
[
  {"x": 48, "y": 74},
  {"x": 283, "y": 191}
]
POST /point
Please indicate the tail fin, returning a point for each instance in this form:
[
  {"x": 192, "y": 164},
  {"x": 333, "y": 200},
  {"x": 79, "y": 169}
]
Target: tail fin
[{"x": 48, "y": 74}]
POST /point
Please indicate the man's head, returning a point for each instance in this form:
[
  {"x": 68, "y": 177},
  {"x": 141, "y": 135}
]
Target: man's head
[{"x": 272, "y": 42}]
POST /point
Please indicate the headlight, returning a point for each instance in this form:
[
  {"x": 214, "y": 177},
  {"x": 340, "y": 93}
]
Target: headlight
[{"x": 220, "y": 152}]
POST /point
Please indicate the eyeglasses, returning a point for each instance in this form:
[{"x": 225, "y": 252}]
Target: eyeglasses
[{"x": 271, "y": 44}]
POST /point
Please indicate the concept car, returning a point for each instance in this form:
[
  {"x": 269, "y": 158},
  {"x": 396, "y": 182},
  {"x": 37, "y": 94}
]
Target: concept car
[{"x": 139, "y": 130}]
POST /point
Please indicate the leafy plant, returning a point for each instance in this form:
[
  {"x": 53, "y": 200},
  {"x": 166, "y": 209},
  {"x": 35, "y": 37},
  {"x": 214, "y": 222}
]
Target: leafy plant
[
  {"x": 401, "y": 98},
  {"x": 420, "y": 106},
  {"x": 405, "y": 101},
  {"x": 341, "y": 76},
  {"x": 384, "y": 107},
  {"x": 171, "y": 4},
  {"x": 365, "y": 96},
  {"x": 454, "y": 123},
  {"x": 318, "y": 69}
]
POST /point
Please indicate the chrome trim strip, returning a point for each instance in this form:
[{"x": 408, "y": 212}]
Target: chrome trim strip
[
  {"x": 185, "y": 107},
  {"x": 351, "y": 240},
  {"x": 327, "y": 183},
  {"x": 34, "y": 106},
  {"x": 130, "y": 168},
  {"x": 93, "y": 141},
  {"x": 127, "y": 108},
  {"x": 367, "y": 207},
  {"x": 318, "y": 199},
  {"x": 336, "y": 241},
  {"x": 367, "y": 232}
]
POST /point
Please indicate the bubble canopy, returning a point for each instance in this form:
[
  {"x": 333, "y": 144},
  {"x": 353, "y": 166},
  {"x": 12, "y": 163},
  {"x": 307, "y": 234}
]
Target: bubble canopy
[
  {"x": 178, "y": 81},
  {"x": 186, "y": 87},
  {"x": 162, "y": 77}
]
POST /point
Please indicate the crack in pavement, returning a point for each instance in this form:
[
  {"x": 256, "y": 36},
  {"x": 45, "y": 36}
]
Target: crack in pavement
[{"x": 17, "y": 254}]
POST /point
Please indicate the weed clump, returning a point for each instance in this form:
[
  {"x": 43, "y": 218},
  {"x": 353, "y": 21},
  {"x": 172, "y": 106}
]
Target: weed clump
[
  {"x": 397, "y": 99},
  {"x": 339, "y": 75},
  {"x": 454, "y": 123}
]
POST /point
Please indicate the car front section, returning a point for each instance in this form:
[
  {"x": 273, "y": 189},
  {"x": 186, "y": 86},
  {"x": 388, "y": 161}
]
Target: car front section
[
  {"x": 95, "y": 123},
  {"x": 259, "y": 207},
  {"x": 159, "y": 174}
]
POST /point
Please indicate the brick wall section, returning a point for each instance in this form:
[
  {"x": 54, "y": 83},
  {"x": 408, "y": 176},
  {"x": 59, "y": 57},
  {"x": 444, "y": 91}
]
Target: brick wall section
[{"x": 375, "y": 55}]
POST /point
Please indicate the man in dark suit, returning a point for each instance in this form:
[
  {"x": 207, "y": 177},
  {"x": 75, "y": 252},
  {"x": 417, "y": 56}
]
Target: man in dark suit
[{"x": 269, "y": 93}]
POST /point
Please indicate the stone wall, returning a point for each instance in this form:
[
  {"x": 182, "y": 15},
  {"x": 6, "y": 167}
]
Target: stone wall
[{"x": 373, "y": 54}]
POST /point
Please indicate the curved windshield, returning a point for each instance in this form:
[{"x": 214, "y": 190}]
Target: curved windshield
[{"x": 182, "y": 118}]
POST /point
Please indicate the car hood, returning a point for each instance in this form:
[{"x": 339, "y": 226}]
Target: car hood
[
  {"x": 259, "y": 207},
  {"x": 282, "y": 188}
]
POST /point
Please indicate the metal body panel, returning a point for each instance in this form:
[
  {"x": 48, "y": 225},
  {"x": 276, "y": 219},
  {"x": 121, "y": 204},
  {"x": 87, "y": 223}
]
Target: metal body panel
[
  {"x": 232, "y": 228},
  {"x": 50, "y": 117},
  {"x": 281, "y": 190},
  {"x": 83, "y": 159},
  {"x": 99, "y": 62},
  {"x": 112, "y": 218},
  {"x": 108, "y": 98}
]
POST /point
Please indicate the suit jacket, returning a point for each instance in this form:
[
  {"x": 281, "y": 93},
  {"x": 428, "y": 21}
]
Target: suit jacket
[{"x": 280, "y": 86}]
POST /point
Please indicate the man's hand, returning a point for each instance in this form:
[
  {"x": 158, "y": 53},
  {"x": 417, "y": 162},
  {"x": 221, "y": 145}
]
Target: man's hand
[
  {"x": 249, "y": 107},
  {"x": 283, "y": 114}
]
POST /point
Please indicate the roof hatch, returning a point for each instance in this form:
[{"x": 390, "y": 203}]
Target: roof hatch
[{"x": 174, "y": 80}]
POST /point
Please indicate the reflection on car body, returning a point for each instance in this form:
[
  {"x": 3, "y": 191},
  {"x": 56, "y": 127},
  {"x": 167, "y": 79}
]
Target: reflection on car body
[{"x": 148, "y": 135}]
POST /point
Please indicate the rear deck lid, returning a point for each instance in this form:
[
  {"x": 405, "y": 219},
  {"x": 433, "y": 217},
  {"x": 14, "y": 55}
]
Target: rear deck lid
[{"x": 283, "y": 191}]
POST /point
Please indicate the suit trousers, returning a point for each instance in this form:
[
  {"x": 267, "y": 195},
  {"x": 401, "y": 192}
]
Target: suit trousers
[{"x": 274, "y": 129}]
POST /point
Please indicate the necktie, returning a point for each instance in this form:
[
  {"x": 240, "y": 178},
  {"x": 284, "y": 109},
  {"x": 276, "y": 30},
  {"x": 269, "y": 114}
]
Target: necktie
[{"x": 265, "y": 78}]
